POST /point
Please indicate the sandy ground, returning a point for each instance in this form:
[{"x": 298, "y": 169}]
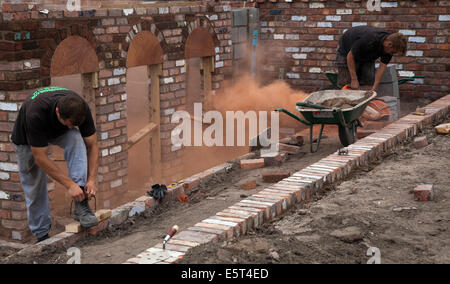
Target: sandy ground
[{"x": 341, "y": 225}]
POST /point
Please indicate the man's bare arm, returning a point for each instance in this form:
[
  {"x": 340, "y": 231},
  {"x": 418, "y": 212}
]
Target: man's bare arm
[
  {"x": 352, "y": 69},
  {"x": 379, "y": 75},
  {"x": 50, "y": 168},
  {"x": 92, "y": 155}
]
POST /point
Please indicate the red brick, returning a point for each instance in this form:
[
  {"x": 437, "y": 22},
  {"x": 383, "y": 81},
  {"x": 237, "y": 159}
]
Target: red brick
[
  {"x": 100, "y": 227},
  {"x": 420, "y": 142},
  {"x": 252, "y": 164},
  {"x": 272, "y": 159},
  {"x": 14, "y": 224},
  {"x": 424, "y": 192},
  {"x": 248, "y": 185},
  {"x": 274, "y": 176},
  {"x": 5, "y": 214},
  {"x": 190, "y": 183},
  {"x": 289, "y": 149}
]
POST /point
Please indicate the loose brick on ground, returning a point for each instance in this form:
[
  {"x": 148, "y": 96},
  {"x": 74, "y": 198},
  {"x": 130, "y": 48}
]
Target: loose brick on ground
[
  {"x": 252, "y": 164},
  {"x": 273, "y": 159},
  {"x": 289, "y": 149},
  {"x": 424, "y": 192},
  {"x": 272, "y": 176},
  {"x": 420, "y": 142},
  {"x": 248, "y": 185}
]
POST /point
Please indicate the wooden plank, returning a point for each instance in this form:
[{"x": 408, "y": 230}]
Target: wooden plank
[
  {"x": 101, "y": 215},
  {"x": 141, "y": 133},
  {"x": 208, "y": 68},
  {"x": 154, "y": 72}
]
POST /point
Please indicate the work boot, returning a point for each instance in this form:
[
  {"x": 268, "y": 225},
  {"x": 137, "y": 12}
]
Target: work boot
[
  {"x": 43, "y": 238},
  {"x": 84, "y": 215}
]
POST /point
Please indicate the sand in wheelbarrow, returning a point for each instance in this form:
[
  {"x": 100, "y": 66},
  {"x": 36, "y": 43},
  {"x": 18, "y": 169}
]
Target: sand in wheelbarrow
[{"x": 343, "y": 102}]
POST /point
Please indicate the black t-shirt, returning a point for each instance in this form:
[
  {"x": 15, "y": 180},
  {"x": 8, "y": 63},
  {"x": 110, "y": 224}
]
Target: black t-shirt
[
  {"x": 37, "y": 122},
  {"x": 366, "y": 44}
]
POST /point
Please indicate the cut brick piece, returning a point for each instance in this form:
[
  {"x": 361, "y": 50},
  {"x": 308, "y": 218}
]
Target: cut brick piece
[
  {"x": 272, "y": 159},
  {"x": 102, "y": 225},
  {"x": 101, "y": 215},
  {"x": 443, "y": 128},
  {"x": 296, "y": 140},
  {"x": 248, "y": 185},
  {"x": 420, "y": 142},
  {"x": 423, "y": 192},
  {"x": 252, "y": 164},
  {"x": 274, "y": 176},
  {"x": 289, "y": 149}
]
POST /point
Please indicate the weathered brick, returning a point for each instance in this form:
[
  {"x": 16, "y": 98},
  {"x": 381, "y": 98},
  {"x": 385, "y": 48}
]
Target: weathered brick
[
  {"x": 424, "y": 192},
  {"x": 420, "y": 142},
  {"x": 272, "y": 176},
  {"x": 248, "y": 185}
]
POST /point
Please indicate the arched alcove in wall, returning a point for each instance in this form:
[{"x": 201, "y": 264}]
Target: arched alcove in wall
[
  {"x": 74, "y": 65},
  {"x": 199, "y": 53},
  {"x": 144, "y": 64}
]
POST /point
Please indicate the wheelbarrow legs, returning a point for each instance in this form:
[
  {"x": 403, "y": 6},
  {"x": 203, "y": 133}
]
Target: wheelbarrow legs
[
  {"x": 347, "y": 133},
  {"x": 314, "y": 146}
]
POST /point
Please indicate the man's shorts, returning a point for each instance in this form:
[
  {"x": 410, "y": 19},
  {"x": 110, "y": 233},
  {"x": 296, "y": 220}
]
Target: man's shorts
[{"x": 364, "y": 70}]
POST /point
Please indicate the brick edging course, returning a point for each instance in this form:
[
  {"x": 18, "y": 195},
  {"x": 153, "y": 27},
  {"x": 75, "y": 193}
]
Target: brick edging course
[{"x": 273, "y": 201}]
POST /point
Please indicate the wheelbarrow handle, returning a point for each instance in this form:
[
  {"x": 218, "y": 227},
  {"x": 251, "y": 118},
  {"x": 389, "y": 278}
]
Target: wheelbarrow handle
[
  {"x": 311, "y": 105},
  {"x": 412, "y": 78},
  {"x": 293, "y": 116}
]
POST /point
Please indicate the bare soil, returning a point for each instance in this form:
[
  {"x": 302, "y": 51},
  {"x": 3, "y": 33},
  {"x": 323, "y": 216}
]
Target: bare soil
[{"x": 374, "y": 208}]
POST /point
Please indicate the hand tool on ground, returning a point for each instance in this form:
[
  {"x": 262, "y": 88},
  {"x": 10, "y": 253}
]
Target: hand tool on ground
[{"x": 169, "y": 235}]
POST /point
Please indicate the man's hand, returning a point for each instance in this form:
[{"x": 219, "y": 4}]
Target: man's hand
[
  {"x": 76, "y": 193},
  {"x": 354, "y": 85},
  {"x": 91, "y": 190}
]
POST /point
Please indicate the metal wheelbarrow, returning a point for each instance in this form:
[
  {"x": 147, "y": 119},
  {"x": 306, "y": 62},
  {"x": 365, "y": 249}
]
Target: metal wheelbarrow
[{"x": 347, "y": 119}]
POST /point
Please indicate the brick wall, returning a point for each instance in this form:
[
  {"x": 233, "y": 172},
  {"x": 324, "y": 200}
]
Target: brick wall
[
  {"x": 299, "y": 40},
  {"x": 28, "y": 40}
]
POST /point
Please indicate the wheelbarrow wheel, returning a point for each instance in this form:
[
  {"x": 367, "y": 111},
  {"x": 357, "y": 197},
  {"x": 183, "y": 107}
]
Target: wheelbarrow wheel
[{"x": 347, "y": 134}]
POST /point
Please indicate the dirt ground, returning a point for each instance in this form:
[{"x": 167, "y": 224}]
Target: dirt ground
[
  {"x": 374, "y": 208},
  {"x": 141, "y": 232}
]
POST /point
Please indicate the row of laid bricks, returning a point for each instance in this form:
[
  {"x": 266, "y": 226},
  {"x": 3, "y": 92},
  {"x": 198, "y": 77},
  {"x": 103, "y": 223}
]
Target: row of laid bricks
[{"x": 273, "y": 201}]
